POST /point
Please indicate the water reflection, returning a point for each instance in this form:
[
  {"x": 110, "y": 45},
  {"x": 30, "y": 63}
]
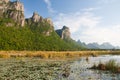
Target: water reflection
[{"x": 80, "y": 71}]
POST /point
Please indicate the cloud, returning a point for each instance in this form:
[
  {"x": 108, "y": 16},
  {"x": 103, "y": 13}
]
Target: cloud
[
  {"x": 49, "y": 6},
  {"x": 76, "y": 21},
  {"x": 86, "y": 27},
  {"x": 102, "y": 34},
  {"x": 90, "y": 9},
  {"x": 107, "y": 1}
]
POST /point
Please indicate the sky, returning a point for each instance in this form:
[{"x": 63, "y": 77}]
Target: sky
[{"x": 88, "y": 20}]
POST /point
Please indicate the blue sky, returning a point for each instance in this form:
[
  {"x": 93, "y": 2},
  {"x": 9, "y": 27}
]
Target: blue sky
[{"x": 88, "y": 20}]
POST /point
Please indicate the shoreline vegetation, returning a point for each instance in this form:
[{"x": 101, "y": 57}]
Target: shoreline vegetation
[
  {"x": 44, "y": 65},
  {"x": 55, "y": 54},
  {"x": 111, "y": 66}
]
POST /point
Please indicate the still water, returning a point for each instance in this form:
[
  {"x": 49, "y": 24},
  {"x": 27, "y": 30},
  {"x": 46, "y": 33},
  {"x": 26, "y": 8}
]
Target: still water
[{"x": 80, "y": 71}]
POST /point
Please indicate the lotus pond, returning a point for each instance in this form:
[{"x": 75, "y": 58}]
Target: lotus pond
[{"x": 39, "y": 69}]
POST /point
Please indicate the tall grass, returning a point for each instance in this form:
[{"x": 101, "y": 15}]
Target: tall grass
[
  {"x": 111, "y": 65},
  {"x": 54, "y": 54}
]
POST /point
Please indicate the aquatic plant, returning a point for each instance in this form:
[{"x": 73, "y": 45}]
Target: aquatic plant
[{"x": 111, "y": 65}]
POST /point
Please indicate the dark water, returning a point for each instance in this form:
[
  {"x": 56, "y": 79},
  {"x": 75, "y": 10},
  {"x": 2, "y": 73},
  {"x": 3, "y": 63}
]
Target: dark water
[{"x": 80, "y": 71}]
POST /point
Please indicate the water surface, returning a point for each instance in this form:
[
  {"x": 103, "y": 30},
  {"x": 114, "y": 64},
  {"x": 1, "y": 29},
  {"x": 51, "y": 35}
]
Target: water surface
[{"x": 80, "y": 71}]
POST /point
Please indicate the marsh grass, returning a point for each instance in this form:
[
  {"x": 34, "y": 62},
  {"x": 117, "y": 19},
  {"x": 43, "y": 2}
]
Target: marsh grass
[
  {"x": 54, "y": 54},
  {"x": 4, "y": 56},
  {"x": 111, "y": 65}
]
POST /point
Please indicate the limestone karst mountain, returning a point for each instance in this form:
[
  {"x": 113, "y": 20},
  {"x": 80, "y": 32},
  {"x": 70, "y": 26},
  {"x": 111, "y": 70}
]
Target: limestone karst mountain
[
  {"x": 105, "y": 45},
  {"x": 34, "y": 33},
  {"x": 95, "y": 45},
  {"x": 64, "y": 33},
  {"x": 36, "y": 18},
  {"x": 37, "y": 21},
  {"x": 13, "y": 10}
]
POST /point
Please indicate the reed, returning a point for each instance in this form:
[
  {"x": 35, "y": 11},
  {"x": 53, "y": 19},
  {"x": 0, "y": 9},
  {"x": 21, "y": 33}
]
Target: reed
[
  {"x": 111, "y": 66},
  {"x": 54, "y": 54}
]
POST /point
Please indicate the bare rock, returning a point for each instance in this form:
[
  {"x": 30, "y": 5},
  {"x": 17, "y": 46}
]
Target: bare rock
[
  {"x": 16, "y": 12},
  {"x": 36, "y": 17},
  {"x": 64, "y": 33},
  {"x": 13, "y": 10},
  {"x": 49, "y": 21},
  {"x": 3, "y": 6}
]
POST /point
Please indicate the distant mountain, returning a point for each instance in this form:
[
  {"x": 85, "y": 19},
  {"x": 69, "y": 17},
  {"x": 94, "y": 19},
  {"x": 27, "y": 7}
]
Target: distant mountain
[
  {"x": 105, "y": 45},
  {"x": 95, "y": 45},
  {"x": 82, "y": 43}
]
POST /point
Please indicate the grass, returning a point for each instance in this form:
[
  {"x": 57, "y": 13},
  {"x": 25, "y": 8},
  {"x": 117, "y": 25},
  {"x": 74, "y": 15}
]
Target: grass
[
  {"x": 111, "y": 65},
  {"x": 54, "y": 54}
]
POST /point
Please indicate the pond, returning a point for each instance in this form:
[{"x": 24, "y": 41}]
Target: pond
[
  {"x": 80, "y": 71},
  {"x": 40, "y": 69}
]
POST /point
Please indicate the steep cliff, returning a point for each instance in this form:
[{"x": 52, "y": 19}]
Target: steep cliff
[
  {"x": 36, "y": 18},
  {"x": 64, "y": 33},
  {"x": 3, "y": 6},
  {"x": 37, "y": 22},
  {"x": 38, "y": 32},
  {"x": 13, "y": 10}
]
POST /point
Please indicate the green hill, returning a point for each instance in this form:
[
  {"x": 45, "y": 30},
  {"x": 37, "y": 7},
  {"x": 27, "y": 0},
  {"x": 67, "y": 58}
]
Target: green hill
[
  {"x": 32, "y": 38},
  {"x": 34, "y": 33}
]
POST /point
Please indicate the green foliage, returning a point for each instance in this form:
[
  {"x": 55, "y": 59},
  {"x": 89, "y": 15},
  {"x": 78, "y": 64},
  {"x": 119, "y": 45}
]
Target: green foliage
[{"x": 32, "y": 37}]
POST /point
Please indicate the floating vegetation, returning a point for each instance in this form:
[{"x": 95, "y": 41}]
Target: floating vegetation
[{"x": 30, "y": 69}]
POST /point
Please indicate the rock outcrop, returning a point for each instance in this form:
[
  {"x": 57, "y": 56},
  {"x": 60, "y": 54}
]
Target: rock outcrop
[
  {"x": 49, "y": 21},
  {"x": 36, "y": 18},
  {"x": 64, "y": 33},
  {"x": 37, "y": 21},
  {"x": 13, "y": 10},
  {"x": 3, "y": 6}
]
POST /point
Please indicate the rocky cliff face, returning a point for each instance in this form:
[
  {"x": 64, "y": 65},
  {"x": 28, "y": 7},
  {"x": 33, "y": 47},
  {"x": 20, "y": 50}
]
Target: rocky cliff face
[
  {"x": 38, "y": 21},
  {"x": 36, "y": 18},
  {"x": 64, "y": 33},
  {"x": 3, "y": 6},
  {"x": 13, "y": 10}
]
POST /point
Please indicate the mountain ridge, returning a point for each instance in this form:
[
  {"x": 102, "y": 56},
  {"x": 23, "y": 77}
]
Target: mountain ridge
[
  {"x": 95, "y": 45},
  {"x": 34, "y": 33}
]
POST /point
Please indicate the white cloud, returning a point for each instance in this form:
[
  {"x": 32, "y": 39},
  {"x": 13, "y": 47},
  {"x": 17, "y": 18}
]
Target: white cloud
[
  {"x": 76, "y": 21},
  {"x": 90, "y": 9},
  {"x": 102, "y": 34},
  {"x": 86, "y": 27},
  {"x": 49, "y": 6}
]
